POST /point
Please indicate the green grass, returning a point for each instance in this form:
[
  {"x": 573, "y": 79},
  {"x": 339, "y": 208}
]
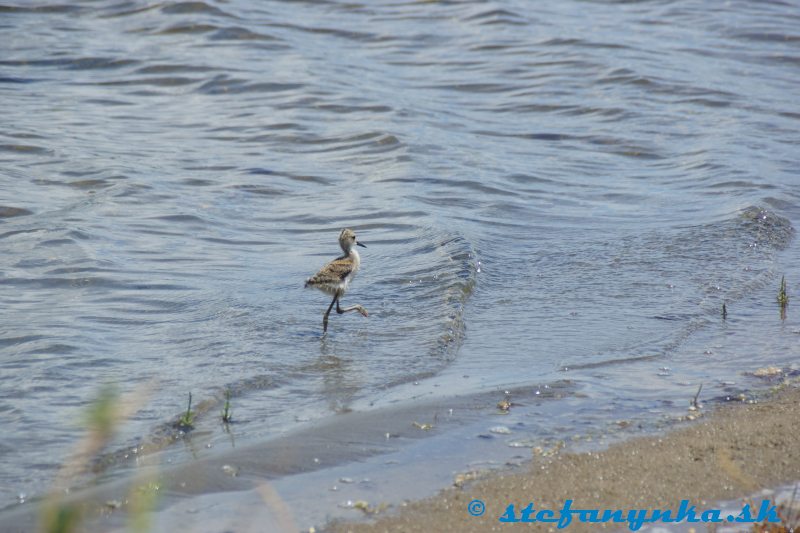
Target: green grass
[
  {"x": 186, "y": 421},
  {"x": 227, "y": 412},
  {"x": 783, "y": 297}
]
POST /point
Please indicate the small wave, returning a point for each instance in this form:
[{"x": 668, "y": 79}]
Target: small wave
[
  {"x": 530, "y": 136},
  {"x": 187, "y": 28},
  {"x": 170, "y": 68},
  {"x": 263, "y": 190},
  {"x": 350, "y": 35},
  {"x": 304, "y": 178},
  {"x": 15, "y": 79},
  {"x": 721, "y": 261},
  {"x": 26, "y": 149},
  {"x": 475, "y": 87},
  {"x": 193, "y": 8},
  {"x": 75, "y": 63},
  {"x": 24, "y": 339},
  {"x": 236, "y": 33},
  {"x": 372, "y": 142},
  {"x": 766, "y": 227},
  {"x": 497, "y": 16},
  {"x": 225, "y": 85},
  {"x": 46, "y": 8},
  {"x": 10, "y": 211}
]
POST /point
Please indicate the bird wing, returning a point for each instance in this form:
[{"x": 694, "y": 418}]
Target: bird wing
[{"x": 332, "y": 273}]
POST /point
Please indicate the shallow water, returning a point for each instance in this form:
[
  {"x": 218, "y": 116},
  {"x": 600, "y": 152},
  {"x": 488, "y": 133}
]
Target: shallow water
[{"x": 567, "y": 191}]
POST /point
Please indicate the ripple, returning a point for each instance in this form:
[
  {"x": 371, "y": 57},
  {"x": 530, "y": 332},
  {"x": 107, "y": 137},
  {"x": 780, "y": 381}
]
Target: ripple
[
  {"x": 98, "y": 183},
  {"x": 75, "y": 63},
  {"x": 225, "y": 85},
  {"x": 236, "y": 33},
  {"x": 13, "y": 341},
  {"x": 262, "y": 190},
  {"x": 12, "y": 79},
  {"x": 160, "y": 81},
  {"x": 303, "y": 178},
  {"x": 43, "y": 9},
  {"x": 193, "y": 8},
  {"x": 530, "y": 136},
  {"x": 474, "y": 87},
  {"x": 347, "y": 34},
  {"x": 25, "y": 149},
  {"x": 174, "y": 69},
  {"x": 372, "y": 142},
  {"x": 181, "y": 218},
  {"x": 10, "y": 212},
  {"x": 497, "y": 16},
  {"x": 187, "y": 28}
]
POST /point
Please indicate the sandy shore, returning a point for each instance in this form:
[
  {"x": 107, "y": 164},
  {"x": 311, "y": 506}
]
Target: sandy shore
[{"x": 727, "y": 454}]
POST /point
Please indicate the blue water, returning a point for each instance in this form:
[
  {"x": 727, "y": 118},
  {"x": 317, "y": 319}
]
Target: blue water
[{"x": 566, "y": 189}]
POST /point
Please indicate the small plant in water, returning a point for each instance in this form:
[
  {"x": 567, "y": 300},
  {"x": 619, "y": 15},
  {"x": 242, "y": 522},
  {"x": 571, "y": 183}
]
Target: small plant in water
[
  {"x": 783, "y": 297},
  {"x": 694, "y": 405},
  {"x": 227, "y": 412},
  {"x": 185, "y": 422},
  {"x": 724, "y": 311}
]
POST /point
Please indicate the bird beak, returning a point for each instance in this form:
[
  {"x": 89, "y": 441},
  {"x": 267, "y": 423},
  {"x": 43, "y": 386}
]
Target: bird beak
[{"x": 361, "y": 245}]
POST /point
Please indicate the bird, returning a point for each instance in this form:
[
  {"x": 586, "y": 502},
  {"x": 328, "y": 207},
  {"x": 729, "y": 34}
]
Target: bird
[{"x": 335, "y": 277}]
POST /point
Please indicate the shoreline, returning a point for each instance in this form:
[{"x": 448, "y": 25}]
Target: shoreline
[{"x": 731, "y": 452}]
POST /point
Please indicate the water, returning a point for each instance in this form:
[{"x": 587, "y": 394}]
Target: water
[{"x": 565, "y": 191}]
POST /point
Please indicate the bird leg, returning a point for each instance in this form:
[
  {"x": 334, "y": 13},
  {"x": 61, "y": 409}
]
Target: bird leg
[
  {"x": 325, "y": 316},
  {"x": 356, "y": 307}
]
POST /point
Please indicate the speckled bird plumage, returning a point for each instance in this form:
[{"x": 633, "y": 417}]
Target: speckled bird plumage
[
  {"x": 334, "y": 278},
  {"x": 337, "y": 274}
]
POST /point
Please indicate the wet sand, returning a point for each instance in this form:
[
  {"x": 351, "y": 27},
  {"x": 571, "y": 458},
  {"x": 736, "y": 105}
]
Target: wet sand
[{"x": 729, "y": 453}]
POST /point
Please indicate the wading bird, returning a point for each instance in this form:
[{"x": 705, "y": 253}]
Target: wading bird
[{"x": 335, "y": 277}]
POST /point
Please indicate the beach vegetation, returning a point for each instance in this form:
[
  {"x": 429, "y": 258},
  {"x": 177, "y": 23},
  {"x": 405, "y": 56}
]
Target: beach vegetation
[
  {"x": 227, "y": 412},
  {"x": 186, "y": 421}
]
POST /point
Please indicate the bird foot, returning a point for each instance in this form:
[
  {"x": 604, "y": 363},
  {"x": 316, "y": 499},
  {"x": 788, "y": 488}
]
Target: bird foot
[{"x": 363, "y": 311}]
